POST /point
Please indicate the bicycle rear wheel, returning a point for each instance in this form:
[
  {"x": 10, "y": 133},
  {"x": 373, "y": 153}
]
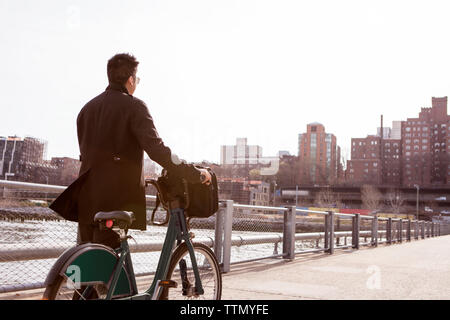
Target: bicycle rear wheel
[
  {"x": 181, "y": 271},
  {"x": 83, "y": 273}
]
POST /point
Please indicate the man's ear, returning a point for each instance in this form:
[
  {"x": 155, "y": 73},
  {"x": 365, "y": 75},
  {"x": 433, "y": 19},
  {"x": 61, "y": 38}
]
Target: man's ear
[
  {"x": 130, "y": 81},
  {"x": 129, "y": 85}
]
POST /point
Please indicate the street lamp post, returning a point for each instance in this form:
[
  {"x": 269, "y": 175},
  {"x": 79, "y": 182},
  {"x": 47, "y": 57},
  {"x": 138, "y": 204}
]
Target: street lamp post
[{"x": 417, "y": 201}]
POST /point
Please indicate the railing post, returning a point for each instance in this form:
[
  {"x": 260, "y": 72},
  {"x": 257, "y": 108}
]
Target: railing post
[
  {"x": 355, "y": 233},
  {"x": 330, "y": 217},
  {"x": 423, "y": 229},
  {"x": 375, "y": 231},
  {"x": 218, "y": 234},
  {"x": 417, "y": 232},
  {"x": 400, "y": 230},
  {"x": 227, "y": 230},
  {"x": 326, "y": 232},
  {"x": 338, "y": 227},
  {"x": 408, "y": 231},
  {"x": 389, "y": 231},
  {"x": 432, "y": 229},
  {"x": 289, "y": 233}
]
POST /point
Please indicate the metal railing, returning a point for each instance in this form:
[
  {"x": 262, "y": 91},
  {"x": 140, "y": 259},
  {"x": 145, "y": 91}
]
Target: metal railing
[{"x": 237, "y": 233}]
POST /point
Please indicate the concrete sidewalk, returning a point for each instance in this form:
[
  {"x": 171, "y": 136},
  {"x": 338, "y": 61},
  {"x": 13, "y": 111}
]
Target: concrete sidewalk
[{"x": 419, "y": 269}]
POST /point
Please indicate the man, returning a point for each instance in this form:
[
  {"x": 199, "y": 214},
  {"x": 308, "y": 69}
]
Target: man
[{"x": 114, "y": 130}]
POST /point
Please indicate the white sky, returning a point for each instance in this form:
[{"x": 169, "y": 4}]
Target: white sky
[{"x": 212, "y": 70}]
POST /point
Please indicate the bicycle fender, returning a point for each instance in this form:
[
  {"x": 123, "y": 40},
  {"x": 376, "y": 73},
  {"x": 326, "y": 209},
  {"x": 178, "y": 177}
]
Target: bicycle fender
[{"x": 89, "y": 263}]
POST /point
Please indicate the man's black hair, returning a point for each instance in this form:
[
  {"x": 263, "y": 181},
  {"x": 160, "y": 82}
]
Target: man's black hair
[{"x": 121, "y": 67}]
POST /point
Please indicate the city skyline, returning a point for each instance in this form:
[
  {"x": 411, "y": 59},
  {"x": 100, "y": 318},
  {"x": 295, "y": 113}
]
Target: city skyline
[
  {"x": 375, "y": 131},
  {"x": 413, "y": 152}
]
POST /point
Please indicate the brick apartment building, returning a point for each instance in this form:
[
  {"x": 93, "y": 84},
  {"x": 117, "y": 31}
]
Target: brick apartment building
[
  {"x": 415, "y": 151},
  {"x": 375, "y": 160},
  {"x": 365, "y": 165},
  {"x": 319, "y": 155},
  {"x": 426, "y": 146}
]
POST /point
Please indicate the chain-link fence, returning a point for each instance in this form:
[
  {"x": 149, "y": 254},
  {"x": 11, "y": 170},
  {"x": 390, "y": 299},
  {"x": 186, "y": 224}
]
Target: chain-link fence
[{"x": 257, "y": 233}]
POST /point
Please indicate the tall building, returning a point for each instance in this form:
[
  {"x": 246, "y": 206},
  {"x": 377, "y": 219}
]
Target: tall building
[
  {"x": 240, "y": 153},
  {"x": 426, "y": 144},
  {"x": 319, "y": 155},
  {"x": 15, "y": 152},
  {"x": 375, "y": 159}
]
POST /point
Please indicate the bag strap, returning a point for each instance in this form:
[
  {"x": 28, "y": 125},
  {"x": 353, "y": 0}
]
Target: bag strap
[{"x": 159, "y": 196}]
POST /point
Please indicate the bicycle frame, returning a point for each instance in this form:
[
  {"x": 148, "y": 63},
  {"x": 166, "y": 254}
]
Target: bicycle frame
[{"x": 176, "y": 233}]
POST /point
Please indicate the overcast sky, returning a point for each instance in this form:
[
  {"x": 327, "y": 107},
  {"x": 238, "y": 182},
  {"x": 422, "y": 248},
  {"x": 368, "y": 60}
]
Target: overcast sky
[{"x": 212, "y": 70}]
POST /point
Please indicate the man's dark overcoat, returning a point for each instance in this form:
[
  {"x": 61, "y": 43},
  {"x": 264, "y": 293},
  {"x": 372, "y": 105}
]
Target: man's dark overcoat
[{"x": 114, "y": 130}]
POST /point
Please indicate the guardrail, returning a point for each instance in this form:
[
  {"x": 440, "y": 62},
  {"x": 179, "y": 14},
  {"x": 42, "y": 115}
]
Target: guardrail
[
  {"x": 405, "y": 230},
  {"x": 229, "y": 222}
]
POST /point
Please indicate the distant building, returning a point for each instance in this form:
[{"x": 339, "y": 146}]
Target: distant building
[
  {"x": 240, "y": 154},
  {"x": 391, "y": 169},
  {"x": 259, "y": 193},
  {"x": 18, "y": 157},
  {"x": 236, "y": 189},
  {"x": 426, "y": 146},
  {"x": 386, "y": 132},
  {"x": 396, "y": 132},
  {"x": 375, "y": 159},
  {"x": 319, "y": 155},
  {"x": 67, "y": 169},
  {"x": 365, "y": 164},
  {"x": 415, "y": 151}
]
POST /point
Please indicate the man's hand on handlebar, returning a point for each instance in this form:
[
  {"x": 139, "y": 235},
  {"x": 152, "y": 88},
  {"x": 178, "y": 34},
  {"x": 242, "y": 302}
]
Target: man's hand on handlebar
[{"x": 205, "y": 176}]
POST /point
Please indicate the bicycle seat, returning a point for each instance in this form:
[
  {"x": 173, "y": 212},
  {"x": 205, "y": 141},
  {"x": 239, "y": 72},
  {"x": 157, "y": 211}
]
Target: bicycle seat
[{"x": 119, "y": 216}]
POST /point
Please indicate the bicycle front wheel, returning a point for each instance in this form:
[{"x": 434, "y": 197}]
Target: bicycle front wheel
[{"x": 182, "y": 272}]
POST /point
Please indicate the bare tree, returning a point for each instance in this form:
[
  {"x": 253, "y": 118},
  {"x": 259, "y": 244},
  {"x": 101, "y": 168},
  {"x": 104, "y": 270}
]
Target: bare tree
[
  {"x": 370, "y": 197},
  {"x": 396, "y": 200},
  {"x": 326, "y": 198}
]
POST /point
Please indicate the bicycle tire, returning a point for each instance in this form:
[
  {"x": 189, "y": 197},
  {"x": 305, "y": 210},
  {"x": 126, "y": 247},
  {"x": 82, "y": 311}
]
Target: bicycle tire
[
  {"x": 209, "y": 270},
  {"x": 61, "y": 287}
]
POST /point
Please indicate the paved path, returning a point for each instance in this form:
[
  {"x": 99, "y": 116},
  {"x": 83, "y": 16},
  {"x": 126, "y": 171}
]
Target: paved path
[{"x": 419, "y": 269}]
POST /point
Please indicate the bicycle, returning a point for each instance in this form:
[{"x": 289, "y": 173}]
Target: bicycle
[{"x": 95, "y": 271}]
